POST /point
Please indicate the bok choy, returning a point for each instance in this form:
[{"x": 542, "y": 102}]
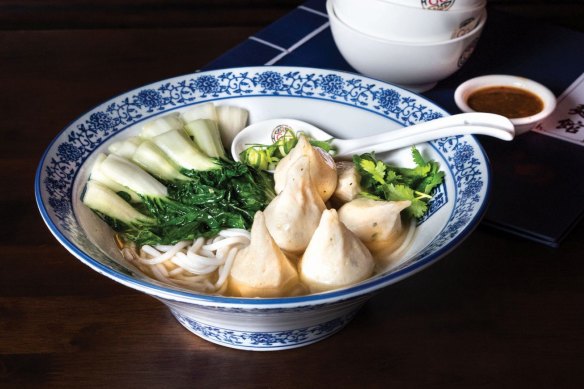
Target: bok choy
[{"x": 164, "y": 186}]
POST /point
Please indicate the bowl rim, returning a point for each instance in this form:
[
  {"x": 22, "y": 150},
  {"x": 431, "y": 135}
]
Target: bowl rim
[
  {"x": 368, "y": 286},
  {"x": 470, "y": 35},
  {"x": 464, "y": 90},
  {"x": 461, "y": 9}
]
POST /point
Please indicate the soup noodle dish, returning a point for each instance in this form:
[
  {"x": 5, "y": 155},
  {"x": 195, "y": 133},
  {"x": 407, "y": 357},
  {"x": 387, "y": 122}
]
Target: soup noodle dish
[{"x": 142, "y": 189}]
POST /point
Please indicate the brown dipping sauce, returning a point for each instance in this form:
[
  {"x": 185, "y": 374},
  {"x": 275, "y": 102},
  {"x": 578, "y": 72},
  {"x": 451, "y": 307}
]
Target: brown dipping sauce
[{"x": 508, "y": 101}]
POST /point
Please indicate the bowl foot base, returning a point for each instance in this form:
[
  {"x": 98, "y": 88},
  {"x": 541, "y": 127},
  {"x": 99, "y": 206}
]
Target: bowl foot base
[{"x": 264, "y": 340}]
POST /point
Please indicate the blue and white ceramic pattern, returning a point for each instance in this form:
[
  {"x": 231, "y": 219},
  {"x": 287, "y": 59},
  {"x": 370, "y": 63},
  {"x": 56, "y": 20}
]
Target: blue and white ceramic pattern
[{"x": 343, "y": 104}]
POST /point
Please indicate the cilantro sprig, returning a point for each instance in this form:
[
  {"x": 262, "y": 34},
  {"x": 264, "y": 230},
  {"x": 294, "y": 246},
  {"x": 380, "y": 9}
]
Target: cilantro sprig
[{"x": 382, "y": 181}]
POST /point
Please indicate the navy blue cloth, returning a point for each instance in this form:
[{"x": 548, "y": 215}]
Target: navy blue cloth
[{"x": 538, "y": 181}]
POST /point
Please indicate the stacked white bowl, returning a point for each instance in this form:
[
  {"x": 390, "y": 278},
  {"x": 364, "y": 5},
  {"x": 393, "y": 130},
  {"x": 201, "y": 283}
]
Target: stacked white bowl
[{"x": 412, "y": 43}]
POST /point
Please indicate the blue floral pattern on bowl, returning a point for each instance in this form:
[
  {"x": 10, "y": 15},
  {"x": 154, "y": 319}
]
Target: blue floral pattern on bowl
[
  {"x": 63, "y": 159},
  {"x": 258, "y": 340}
]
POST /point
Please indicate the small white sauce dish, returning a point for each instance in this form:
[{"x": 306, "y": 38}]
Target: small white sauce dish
[{"x": 523, "y": 124}]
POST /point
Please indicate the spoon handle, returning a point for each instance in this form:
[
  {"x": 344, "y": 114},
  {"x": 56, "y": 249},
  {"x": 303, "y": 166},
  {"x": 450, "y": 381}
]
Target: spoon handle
[{"x": 463, "y": 124}]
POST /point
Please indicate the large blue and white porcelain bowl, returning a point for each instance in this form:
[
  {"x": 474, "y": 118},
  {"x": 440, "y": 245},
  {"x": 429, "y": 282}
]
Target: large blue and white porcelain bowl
[{"x": 344, "y": 104}]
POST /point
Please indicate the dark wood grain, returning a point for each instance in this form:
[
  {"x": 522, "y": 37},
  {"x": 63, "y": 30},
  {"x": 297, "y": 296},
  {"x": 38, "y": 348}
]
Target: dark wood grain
[
  {"x": 39, "y": 14},
  {"x": 497, "y": 312},
  {"x": 74, "y": 14}
]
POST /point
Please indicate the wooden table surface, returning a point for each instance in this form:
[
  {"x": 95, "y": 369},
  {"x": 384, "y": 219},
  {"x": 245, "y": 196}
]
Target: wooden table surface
[{"x": 499, "y": 311}]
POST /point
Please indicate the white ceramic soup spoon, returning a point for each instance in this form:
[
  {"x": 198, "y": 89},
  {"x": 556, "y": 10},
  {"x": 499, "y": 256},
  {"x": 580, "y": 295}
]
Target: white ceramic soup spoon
[{"x": 266, "y": 132}]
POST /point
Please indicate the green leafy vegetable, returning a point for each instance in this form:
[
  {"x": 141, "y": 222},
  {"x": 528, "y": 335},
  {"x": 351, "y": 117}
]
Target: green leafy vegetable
[
  {"x": 385, "y": 182},
  {"x": 230, "y": 195},
  {"x": 207, "y": 203}
]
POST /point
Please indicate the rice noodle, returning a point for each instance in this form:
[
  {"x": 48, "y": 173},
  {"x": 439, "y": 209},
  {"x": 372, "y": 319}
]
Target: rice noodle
[
  {"x": 202, "y": 264},
  {"x": 235, "y": 232},
  {"x": 219, "y": 243},
  {"x": 224, "y": 270},
  {"x": 158, "y": 257}
]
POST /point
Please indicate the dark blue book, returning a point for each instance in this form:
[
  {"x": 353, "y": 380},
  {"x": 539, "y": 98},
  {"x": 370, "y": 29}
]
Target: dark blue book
[{"x": 538, "y": 181}]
